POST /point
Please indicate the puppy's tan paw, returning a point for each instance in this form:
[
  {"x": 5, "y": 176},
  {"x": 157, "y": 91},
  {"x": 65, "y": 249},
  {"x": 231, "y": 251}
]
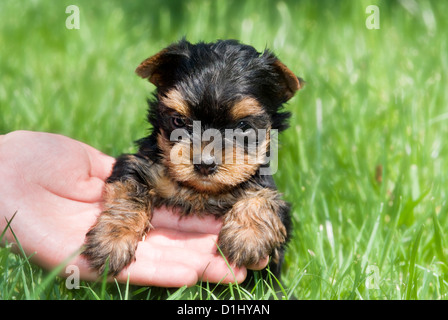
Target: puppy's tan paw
[
  {"x": 110, "y": 250},
  {"x": 242, "y": 247},
  {"x": 252, "y": 230},
  {"x": 113, "y": 239}
]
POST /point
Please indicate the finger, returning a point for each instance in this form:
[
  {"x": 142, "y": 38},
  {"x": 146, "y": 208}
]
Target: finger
[
  {"x": 220, "y": 271},
  {"x": 100, "y": 163},
  {"x": 169, "y": 267},
  {"x": 198, "y": 243},
  {"x": 260, "y": 265},
  {"x": 144, "y": 272},
  {"x": 201, "y": 242},
  {"x": 89, "y": 190},
  {"x": 100, "y": 168},
  {"x": 175, "y": 267},
  {"x": 167, "y": 275},
  {"x": 210, "y": 267},
  {"x": 166, "y": 218}
]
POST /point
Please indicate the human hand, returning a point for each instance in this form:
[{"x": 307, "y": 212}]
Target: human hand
[{"x": 55, "y": 185}]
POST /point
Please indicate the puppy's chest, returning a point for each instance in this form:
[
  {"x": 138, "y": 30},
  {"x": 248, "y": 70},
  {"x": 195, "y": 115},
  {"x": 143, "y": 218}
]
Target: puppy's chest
[{"x": 170, "y": 193}]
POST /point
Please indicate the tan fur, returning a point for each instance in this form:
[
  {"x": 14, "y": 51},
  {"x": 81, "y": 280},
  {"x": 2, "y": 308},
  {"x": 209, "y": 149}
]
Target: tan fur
[
  {"x": 117, "y": 231},
  {"x": 235, "y": 167},
  {"x": 246, "y": 107},
  {"x": 252, "y": 230},
  {"x": 174, "y": 100}
]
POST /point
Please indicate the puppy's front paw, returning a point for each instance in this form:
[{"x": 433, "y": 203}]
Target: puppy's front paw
[
  {"x": 113, "y": 239},
  {"x": 252, "y": 230},
  {"x": 108, "y": 249},
  {"x": 243, "y": 246}
]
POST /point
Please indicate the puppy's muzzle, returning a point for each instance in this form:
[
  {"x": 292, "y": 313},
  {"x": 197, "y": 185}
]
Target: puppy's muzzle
[{"x": 205, "y": 169}]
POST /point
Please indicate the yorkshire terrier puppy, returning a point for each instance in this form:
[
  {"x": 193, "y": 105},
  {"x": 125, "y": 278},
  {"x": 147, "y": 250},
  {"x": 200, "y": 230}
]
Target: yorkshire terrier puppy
[{"x": 226, "y": 91}]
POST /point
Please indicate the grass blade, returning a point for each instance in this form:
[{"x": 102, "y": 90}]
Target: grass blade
[{"x": 411, "y": 280}]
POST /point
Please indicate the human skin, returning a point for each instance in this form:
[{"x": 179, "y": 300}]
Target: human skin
[{"x": 54, "y": 184}]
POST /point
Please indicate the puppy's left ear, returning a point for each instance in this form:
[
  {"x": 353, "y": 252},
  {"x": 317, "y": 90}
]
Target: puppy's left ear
[{"x": 290, "y": 82}]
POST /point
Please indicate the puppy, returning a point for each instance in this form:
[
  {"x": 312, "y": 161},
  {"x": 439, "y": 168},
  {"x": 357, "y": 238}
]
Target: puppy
[{"x": 226, "y": 91}]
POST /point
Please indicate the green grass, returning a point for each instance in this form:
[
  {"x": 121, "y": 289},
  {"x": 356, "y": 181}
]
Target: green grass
[{"x": 373, "y": 99}]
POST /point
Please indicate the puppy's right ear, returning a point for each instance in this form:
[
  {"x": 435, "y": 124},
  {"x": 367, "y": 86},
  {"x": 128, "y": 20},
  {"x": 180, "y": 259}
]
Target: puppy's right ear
[
  {"x": 151, "y": 68},
  {"x": 160, "y": 69}
]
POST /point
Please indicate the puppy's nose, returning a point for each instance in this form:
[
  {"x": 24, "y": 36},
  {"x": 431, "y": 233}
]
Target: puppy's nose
[{"x": 205, "y": 169}]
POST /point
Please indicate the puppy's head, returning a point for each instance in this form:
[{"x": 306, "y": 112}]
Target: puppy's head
[{"x": 216, "y": 106}]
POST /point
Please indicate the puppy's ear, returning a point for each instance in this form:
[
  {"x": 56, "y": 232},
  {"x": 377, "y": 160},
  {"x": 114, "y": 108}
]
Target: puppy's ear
[
  {"x": 290, "y": 82},
  {"x": 160, "y": 68},
  {"x": 150, "y": 68}
]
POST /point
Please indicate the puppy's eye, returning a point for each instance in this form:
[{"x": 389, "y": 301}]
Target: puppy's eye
[
  {"x": 244, "y": 125},
  {"x": 178, "y": 122}
]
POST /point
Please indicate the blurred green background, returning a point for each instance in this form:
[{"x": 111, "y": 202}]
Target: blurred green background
[{"x": 365, "y": 160}]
